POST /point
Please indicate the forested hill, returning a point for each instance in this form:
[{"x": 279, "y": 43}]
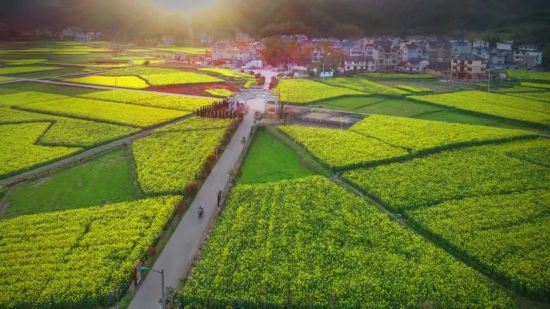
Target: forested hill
[{"x": 266, "y": 17}]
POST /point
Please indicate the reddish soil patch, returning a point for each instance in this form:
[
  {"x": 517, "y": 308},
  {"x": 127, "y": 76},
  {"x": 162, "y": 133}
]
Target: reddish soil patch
[{"x": 193, "y": 89}]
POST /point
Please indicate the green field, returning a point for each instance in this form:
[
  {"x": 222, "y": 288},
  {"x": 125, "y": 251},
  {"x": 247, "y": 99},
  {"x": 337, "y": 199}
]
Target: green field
[
  {"x": 363, "y": 84},
  {"x": 301, "y": 91},
  {"x": 490, "y": 203},
  {"x": 504, "y": 106},
  {"x": 377, "y": 139},
  {"x": 106, "y": 179},
  {"x": 378, "y": 105},
  {"x": 529, "y": 75},
  {"x": 307, "y": 242},
  {"x": 270, "y": 160}
]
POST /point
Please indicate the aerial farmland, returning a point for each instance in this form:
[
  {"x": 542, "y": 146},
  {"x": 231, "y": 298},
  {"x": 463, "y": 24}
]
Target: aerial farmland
[{"x": 269, "y": 170}]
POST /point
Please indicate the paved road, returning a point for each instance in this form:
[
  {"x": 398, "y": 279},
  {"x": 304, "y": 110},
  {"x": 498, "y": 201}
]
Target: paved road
[
  {"x": 179, "y": 252},
  {"x": 83, "y": 155}
]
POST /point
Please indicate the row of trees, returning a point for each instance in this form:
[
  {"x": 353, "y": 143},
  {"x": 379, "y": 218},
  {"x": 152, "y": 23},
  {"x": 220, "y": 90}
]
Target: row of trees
[{"x": 283, "y": 52}]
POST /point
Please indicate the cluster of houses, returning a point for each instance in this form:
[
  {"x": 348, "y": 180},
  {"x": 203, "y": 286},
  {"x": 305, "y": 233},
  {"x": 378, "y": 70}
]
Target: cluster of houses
[
  {"x": 460, "y": 59},
  {"x": 77, "y": 34}
]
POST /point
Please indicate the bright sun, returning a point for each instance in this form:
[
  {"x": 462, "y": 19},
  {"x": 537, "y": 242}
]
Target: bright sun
[{"x": 183, "y": 5}]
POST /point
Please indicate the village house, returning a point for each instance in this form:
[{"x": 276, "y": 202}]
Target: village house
[
  {"x": 468, "y": 67},
  {"x": 413, "y": 65},
  {"x": 361, "y": 63},
  {"x": 388, "y": 56},
  {"x": 238, "y": 54},
  {"x": 461, "y": 47},
  {"x": 439, "y": 50},
  {"x": 411, "y": 50},
  {"x": 527, "y": 56}
]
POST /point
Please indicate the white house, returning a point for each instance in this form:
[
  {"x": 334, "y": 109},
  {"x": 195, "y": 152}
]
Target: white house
[
  {"x": 411, "y": 50},
  {"x": 359, "y": 64},
  {"x": 414, "y": 65},
  {"x": 481, "y": 44},
  {"x": 527, "y": 56},
  {"x": 506, "y": 45}
]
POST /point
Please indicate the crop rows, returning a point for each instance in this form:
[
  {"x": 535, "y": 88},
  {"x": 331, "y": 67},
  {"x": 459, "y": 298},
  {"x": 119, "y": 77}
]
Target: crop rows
[
  {"x": 77, "y": 258},
  {"x": 117, "y": 113},
  {"x": 507, "y": 234},
  {"x": 493, "y": 104},
  {"x": 413, "y": 89},
  {"x": 175, "y": 156},
  {"x": 458, "y": 174},
  {"x": 220, "y": 93},
  {"x": 303, "y": 91},
  {"x": 68, "y": 131},
  {"x": 310, "y": 243},
  {"x": 417, "y": 135},
  {"x": 529, "y": 75},
  {"x": 337, "y": 148},
  {"x": 380, "y": 138},
  {"x": 26, "y": 69},
  {"x": 362, "y": 84},
  {"x": 162, "y": 76},
  {"x": 132, "y": 82},
  {"x": 152, "y": 99},
  {"x": 19, "y": 152}
]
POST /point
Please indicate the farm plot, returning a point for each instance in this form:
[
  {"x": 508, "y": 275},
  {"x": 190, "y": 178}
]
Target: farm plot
[
  {"x": 19, "y": 151},
  {"x": 536, "y": 85},
  {"x": 116, "y": 113},
  {"x": 270, "y": 160},
  {"x": 162, "y": 76},
  {"x": 14, "y": 98},
  {"x": 378, "y": 105},
  {"x": 174, "y": 156},
  {"x": 493, "y": 104},
  {"x": 152, "y": 99},
  {"x": 529, "y": 75},
  {"x": 68, "y": 132},
  {"x": 330, "y": 249},
  {"x": 540, "y": 96},
  {"x": 399, "y": 76},
  {"x": 303, "y": 91},
  {"x": 413, "y": 89},
  {"x": 381, "y": 138},
  {"x": 416, "y": 135},
  {"x": 132, "y": 82},
  {"x": 77, "y": 258},
  {"x": 507, "y": 234},
  {"x": 338, "y": 148},
  {"x": 26, "y": 69},
  {"x": 219, "y": 93},
  {"x": 105, "y": 179},
  {"x": 228, "y": 73},
  {"x": 458, "y": 174},
  {"x": 362, "y": 84}
]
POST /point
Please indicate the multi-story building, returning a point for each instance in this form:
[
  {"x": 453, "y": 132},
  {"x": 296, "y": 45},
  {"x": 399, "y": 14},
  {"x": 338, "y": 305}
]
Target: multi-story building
[
  {"x": 527, "y": 56},
  {"x": 468, "y": 67},
  {"x": 359, "y": 64},
  {"x": 411, "y": 50},
  {"x": 388, "y": 55},
  {"x": 461, "y": 47},
  {"x": 439, "y": 51}
]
